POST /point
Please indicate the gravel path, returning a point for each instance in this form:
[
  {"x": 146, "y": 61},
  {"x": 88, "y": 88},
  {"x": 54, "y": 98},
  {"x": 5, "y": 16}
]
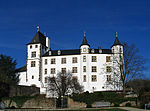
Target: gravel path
[{"x": 132, "y": 109}]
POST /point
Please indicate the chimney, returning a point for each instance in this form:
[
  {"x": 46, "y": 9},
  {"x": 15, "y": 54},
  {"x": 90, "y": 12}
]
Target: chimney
[
  {"x": 47, "y": 43},
  {"x": 100, "y": 49}
]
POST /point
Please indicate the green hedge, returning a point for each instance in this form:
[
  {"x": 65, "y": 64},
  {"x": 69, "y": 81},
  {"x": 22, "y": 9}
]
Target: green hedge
[
  {"x": 90, "y": 98},
  {"x": 19, "y": 100}
]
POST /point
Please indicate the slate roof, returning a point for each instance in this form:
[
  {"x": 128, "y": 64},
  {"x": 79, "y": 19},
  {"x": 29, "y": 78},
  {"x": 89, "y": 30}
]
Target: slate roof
[
  {"x": 75, "y": 52},
  {"x": 116, "y": 42},
  {"x": 84, "y": 42},
  {"x": 22, "y": 69},
  {"x": 39, "y": 38}
]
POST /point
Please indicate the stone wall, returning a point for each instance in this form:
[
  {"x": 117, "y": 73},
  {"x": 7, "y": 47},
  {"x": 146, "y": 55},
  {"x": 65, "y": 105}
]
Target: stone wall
[
  {"x": 74, "y": 104},
  {"x": 133, "y": 103},
  {"x": 23, "y": 91},
  {"x": 37, "y": 102}
]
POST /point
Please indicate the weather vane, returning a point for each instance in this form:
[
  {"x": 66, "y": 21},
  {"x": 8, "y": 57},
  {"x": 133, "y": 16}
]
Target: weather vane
[
  {"x": 38, "y": 28},
  {"x": 84, "y": 33},
  {"x": 116, "y": 34}
]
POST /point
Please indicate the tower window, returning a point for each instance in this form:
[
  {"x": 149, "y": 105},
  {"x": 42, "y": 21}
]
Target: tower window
[
  {"x": 63, "y": 60},
  {"x": 84, "y": 49},
  {"x": 33, "y": 54},
  {"x": 32, "y": 77},
  {"x": 94, "y": 58},
  {"x": 94, "y": 69},
  {"x": 46, "y": 80},
  {"x": 84, "y": 78},
  {"x": 74, "y": 60},
  {"x": 36, "y": 46},
  {"x": 52, "y": 70},
  {"x": 74, "y": 70},
  {"x": 63, "y": 70},
  {"x": 108, "y": 59},
  {"x": 32, "y": 63},
  {"x": 120, "y": 50},
  {"x": 45, "y": 61},
  {"x": 30, "y": 46},
  {"x": 108, "y": 77},
  {"x": 45, "y": 71},
  {"x": 84, "y": 58},
  {"x": 84, "y": 68},
  {"x": 108, "y": 69},
  {"x": 94, "y": 78},
  {"x": 53, "y": 61}
]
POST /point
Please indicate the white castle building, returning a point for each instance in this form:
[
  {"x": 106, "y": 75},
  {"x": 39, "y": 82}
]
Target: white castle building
[{"x": 92, "y": 67}]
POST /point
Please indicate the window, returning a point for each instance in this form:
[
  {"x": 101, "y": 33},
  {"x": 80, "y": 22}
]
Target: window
[
  {"x": 74, "y": 60},
  {"x": 46, "y": 80},
  {"x": 63, "y": 60},
  {"x": 30, "y": 46},
  {"x": 84, "y": 68},
  {"x": 52, "y": 70},
  {"x": 84, "y": 58},
  {"x": 33, "y": 54},
  {"x": 53, "y": 61},
  {"x": 63, "y": 70},
  {"x": 32, "y": 77},
  {"x": 108, "y": 59},
  {"x": 84, "y": 49},
  {"x": 32, "y": 63},
  {"x": 94, "y": 59},
  {"x": 94, "y": 69},
  {"x": 120, "y": 50},
  {"x": 108, "y": 77},
  {"x": 108, "y": 68},
  {"x": 84, "y": 78},
  {"x": 45, "y": 61},
  {"x": 36, "y": 46},
  {"x": 94, "y": 78},
  {"x": 74, "y": 70},
  {"x": 45, "y": 71}
]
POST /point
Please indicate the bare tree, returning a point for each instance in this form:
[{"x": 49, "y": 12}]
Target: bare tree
[
  {"x": 64, "y": 84},
  {"x": 125, "y": 67}
]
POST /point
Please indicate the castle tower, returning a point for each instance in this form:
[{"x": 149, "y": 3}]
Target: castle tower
[
  {"x": 117, "y": 47},
  {"x": 35, "y": 49},
  {"x": 84, "y": 47},
  {"x": 118, "y": 63}
]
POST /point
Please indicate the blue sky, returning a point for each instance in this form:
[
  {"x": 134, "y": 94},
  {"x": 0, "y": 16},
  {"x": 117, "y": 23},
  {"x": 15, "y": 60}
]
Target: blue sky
[{"x": 64, "y": 21}]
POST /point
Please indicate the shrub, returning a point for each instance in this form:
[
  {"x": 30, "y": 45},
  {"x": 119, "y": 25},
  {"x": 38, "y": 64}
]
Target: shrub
[
  {"x": 12, "y": 107},
  {"x": 116, "y": 104},
  {"x": 128, "y": 104},
  {"x": 112, "y": 97},
  {"x": 89, "y": 106}
]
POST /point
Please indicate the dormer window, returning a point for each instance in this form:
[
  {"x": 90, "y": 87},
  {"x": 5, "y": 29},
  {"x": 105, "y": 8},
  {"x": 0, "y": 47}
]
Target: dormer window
[
  {"x": 50, "y": 52},
  {"x": 92, "y": 50},
  {"x": 59, "y": 52},
  {"x": 84, "y": 49}
]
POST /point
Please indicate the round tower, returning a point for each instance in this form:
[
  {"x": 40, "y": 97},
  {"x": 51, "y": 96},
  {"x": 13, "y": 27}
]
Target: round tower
[
  {"x": 117, "y": 47},
  {"x": 84, "y": 47}
]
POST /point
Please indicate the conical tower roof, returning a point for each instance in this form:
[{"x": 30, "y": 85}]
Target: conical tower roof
[
  {"x": 39, "y": 38},
  {"x": 116, "y": 42},
  {"x": 84, "y": 42}
]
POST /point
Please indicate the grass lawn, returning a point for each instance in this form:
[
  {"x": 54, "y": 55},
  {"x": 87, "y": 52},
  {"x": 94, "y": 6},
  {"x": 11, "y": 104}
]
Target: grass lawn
[{"x": 111, "y": 109}]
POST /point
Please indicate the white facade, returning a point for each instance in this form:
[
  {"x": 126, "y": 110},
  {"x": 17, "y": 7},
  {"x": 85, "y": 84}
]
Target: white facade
[{"x": 92, "y": 67}]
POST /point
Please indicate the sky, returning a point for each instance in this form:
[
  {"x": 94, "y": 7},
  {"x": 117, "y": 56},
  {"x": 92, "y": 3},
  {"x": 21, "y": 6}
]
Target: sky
[{"x": 65, "y": 21}]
